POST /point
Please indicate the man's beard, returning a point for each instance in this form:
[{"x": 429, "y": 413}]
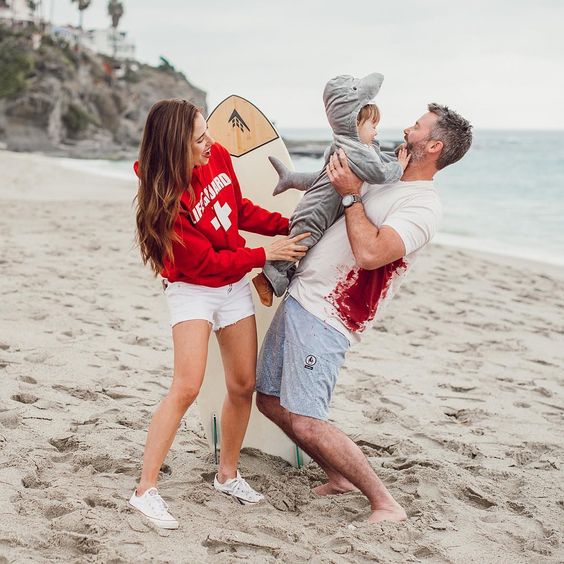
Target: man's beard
[{"x": 416, "y": 150}]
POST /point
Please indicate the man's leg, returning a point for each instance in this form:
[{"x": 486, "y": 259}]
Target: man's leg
[
  {"x": 270, "y": 368},
  {"x": 270, "y": 407},
  {"x": 324, "y": 441}
]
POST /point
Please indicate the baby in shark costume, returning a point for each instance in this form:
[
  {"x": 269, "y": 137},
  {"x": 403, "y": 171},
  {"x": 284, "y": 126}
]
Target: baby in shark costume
[{"x": 353, "y": 118}]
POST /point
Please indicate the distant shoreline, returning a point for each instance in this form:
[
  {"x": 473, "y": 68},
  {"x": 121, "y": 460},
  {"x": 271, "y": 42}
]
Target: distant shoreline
[{"x": 315, "y": 149}]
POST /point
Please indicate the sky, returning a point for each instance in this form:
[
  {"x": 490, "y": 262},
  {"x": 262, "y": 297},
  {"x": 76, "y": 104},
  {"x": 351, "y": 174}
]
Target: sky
[{"x": 500, "y": 63}]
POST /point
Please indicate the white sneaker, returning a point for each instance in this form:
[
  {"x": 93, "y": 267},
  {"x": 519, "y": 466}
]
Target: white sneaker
[
  {"x": 238, "y": 489},
  {"x": 153, "y": 506}
]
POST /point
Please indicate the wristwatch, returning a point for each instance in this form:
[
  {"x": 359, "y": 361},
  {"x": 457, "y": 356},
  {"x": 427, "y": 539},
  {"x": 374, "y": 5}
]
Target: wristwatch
[{"x": 351, "y": 199}]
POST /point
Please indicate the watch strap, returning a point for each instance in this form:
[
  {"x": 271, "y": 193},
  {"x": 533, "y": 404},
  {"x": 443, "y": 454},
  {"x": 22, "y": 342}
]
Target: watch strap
[{"x": 352, "y": 198}]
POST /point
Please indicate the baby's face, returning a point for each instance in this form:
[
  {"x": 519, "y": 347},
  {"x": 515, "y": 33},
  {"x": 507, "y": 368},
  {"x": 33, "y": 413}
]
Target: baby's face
[{"x": 367, "y": 131}]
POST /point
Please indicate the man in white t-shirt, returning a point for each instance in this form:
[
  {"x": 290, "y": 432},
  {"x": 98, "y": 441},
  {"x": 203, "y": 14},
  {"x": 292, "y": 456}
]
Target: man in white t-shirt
[{"x": 340, "y": 288}]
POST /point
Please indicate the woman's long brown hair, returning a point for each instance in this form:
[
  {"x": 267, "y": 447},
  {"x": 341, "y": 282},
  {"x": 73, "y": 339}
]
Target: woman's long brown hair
[{"x": 165, "y": 169}]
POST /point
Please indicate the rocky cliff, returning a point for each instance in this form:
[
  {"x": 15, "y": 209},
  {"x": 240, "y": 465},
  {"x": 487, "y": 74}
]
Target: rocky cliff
[{"x": 56, "y": 99}]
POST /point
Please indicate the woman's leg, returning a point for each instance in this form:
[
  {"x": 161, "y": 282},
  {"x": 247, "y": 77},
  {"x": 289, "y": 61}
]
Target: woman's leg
[
  {"x": 190, "y": 340},
  {"x": 238, "y": 345}
]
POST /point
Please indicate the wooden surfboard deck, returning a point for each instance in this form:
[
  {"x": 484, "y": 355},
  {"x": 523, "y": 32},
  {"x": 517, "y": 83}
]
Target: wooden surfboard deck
[{"x": 248, "y": 135}]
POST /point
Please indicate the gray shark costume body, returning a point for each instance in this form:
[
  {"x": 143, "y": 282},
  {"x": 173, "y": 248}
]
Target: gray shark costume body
[{"x": 320, "y": 207}]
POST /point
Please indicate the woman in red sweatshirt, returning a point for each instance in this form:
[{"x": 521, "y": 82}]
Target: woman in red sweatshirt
[{"x": 189, "y": 212}]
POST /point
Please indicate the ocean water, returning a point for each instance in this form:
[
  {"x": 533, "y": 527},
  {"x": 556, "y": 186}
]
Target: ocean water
[{"x": 505, "y": 196}]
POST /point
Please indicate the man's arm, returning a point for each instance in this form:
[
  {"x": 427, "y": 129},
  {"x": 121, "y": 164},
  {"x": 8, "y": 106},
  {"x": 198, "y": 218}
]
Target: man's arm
[{"x": 372, "y": 247}]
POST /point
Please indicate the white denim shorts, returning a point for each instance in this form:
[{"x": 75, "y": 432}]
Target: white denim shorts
[{"x": 221, "y": 306}]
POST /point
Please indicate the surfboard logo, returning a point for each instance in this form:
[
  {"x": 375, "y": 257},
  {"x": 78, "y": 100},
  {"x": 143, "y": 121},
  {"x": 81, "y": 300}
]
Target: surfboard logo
[
  {"x": 240, "y": 126},
  {"x": 236, "y": 120},
  {"x": 310, "y": 362}
]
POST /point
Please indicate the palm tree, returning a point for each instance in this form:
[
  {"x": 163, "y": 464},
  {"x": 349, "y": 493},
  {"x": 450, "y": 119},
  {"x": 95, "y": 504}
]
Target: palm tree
[
  {"x": 35, "y": 8},
  {"x": 32, "y": 6},
  {"x": 82, "y": 5},
  {"x": 115, "y": 11}
]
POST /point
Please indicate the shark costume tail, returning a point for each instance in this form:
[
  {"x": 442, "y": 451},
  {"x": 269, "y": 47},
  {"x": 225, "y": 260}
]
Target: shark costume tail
[{"x": 289, "y": 179}]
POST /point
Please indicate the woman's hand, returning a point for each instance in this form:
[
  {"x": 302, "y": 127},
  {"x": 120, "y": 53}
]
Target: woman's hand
[{"x": 287, "y": 248}]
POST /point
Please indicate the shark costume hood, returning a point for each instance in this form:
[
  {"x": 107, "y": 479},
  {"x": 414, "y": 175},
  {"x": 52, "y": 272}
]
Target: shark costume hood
[{"x": 344, "y": 96}]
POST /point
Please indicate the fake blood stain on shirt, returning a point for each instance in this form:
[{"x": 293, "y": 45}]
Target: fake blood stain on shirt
[{"x": 358, "y": 294}]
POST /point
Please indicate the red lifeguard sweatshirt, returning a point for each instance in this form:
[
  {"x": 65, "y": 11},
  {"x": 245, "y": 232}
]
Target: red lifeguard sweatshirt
[{"x": 213, "y": 253}]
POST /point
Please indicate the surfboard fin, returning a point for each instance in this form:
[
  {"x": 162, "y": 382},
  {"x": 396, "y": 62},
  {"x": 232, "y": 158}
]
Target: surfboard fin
[
  {"x": 215, "y": 435},
  {"x": 288, "y": 179}
]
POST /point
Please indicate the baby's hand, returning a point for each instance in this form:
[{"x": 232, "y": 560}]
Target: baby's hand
[{"x": 403, "y": 157}]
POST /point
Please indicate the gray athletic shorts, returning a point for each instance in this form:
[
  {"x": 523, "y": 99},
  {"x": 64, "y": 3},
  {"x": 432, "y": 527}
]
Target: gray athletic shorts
[{"x": 300, "y": 359}]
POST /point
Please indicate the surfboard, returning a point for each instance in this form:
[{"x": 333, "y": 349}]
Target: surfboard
[{"x": 250, "y": 138}]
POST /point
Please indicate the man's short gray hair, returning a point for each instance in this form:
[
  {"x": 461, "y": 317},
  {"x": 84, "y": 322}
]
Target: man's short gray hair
[{"x": 454, "y": 131}]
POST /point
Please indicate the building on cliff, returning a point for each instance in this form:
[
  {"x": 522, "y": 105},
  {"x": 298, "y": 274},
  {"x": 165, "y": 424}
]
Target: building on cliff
[
  {"x": 17, "y": 12},
  {"x": 109, "y": 41}
]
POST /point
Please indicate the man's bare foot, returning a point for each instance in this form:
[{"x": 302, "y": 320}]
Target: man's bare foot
[
  {"x": 394, "y": 513},
  {"x": 332, "y": 488},
  {"x": 264, "y": 289}
]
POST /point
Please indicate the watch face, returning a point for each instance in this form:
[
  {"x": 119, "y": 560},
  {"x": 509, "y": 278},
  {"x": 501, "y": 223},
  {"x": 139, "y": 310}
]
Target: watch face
[{"x": 350, "y": 199}]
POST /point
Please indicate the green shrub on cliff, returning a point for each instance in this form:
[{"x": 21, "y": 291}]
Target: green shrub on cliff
[
  {"x": 76, "y": 120},
  {"x": 57, "y": 46},
  {"x": 15, "y": 65}
]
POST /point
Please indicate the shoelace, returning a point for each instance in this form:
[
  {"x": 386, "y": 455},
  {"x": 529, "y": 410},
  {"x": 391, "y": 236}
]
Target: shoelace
[
  {"x": 243, "y": 488},
  {"x": 158, "y": 503}
]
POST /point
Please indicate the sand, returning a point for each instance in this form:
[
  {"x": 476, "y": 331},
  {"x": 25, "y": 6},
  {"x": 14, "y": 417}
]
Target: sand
[{"x": 456, "y": 397}]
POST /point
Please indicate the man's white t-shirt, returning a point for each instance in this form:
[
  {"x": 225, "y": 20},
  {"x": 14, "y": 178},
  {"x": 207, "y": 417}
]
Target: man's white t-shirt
[{"x": 330, "y": 285}]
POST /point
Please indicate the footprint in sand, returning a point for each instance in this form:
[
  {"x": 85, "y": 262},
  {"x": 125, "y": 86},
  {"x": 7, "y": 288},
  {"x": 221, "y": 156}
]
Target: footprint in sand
[
  {"x": 405, "y": 464},
  {"x": 476, "y": 498},
  {"x": 106, "y": 356},
  {"x": 95, "y": 500},
  {"x": 82, "y": 543},
  {"x": 370, "y": 448},
  {"x": 33, "y": 482},
  {"x": 38, "y": 357},
  {"x": 523, "y": 404},
  {"x": 65, "y": 444},
  {"x": 28, "y": 380},
  {"x": 222, "y": 541},
  {"x": 25, "y": 398},
  {"x": 137, "y": 425},
  {"x": 73, "y": 333},
  {"x": 10, "y": 419},
  {"x": 135, "y": 340},
  {"x": 78, "y": 393},
  {"x": 339, "y": 546},
  {"x": 466, "y": 416},
  {"x": 104, "y": 463},
  {"x": 57, "y": 509},
  {"x": 384, "y": 399},
  {"x": 116, "y": 395},
  {"x": 519, "y": 508},
  {"x": 379, "y": 415}
]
